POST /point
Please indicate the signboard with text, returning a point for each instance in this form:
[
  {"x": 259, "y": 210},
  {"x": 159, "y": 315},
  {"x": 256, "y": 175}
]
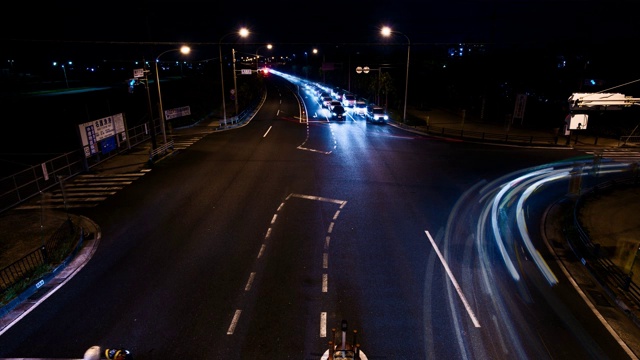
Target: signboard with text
[
  {"x": 99, "y": 135},
  {"x": 177, "y": 112}
]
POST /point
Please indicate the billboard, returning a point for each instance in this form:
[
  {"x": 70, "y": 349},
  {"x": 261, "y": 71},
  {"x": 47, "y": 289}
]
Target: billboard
[{"x": 99, "y": 135}]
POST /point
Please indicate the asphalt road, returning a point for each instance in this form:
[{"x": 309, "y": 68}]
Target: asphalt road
[{"x": 243, "y": 245}]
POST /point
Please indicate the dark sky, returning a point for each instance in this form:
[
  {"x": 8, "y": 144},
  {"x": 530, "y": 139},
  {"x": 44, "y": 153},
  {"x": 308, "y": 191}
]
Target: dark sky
[
  {"x": 607, "y": 25},
  {"x": 512, "y": 21}
]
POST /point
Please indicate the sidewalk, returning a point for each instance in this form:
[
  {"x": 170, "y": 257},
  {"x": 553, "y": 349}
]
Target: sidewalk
[{"x": 22, "y": 231}]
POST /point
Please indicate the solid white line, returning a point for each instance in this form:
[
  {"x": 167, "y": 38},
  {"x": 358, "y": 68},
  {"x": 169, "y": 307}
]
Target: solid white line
[
  {"x": 265, "y": 134},
  {"x": 323, "y": 324},
  {"x": 234, "y": 322},
  {"x": 453, "y": 280},
  {"x": 320, "y": 198},
  {"x": 325, "y": 282},
  {"x": 250, "y": 281}
]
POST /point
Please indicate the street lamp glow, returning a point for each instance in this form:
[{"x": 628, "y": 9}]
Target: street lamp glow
[
  {"x": 184, "y": 50},
  {"x": 243, "y": 32},
  {"x": 386, "y": 32},
  {"x": 269, "y": 47}
]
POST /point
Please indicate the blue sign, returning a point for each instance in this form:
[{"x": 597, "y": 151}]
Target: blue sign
[{"x": 108, "y": 145}]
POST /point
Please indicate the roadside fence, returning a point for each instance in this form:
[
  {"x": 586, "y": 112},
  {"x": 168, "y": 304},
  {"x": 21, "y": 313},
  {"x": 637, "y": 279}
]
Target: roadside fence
[{"x": 598, "y": 262}]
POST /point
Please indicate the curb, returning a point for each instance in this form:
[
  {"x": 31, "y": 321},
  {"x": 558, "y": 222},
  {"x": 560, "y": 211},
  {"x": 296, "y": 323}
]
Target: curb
[{"x": 50, "y": 283}]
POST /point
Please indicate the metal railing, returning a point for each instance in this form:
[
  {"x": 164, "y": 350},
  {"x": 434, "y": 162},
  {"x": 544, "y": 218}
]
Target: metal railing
[
  {"x": 629, "y": 141},
  {"x": 51, "y": 253},
  {"x": 598, "y": 263},
  {"x": 487, "y": 137},
  {"x": 25, "y": 184}
]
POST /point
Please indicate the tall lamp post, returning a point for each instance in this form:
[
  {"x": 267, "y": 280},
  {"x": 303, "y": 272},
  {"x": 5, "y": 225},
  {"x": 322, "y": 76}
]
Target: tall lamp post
[
  {"x": 243, "y": 32},
  {"x": 184, "y": 50},
  {"x": 64, "y": 71},
  {"x": 235, "y": 85},
  {"x": 386, "y": 31}
]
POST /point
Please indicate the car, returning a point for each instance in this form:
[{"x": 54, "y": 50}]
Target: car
[
  {"x": 326, "y": 102},
  {"x": 360, "y": 108},
  {"x": 338, "y": 112},
  {"x": 377, "y": 114},
  {"x": 348, "y": 100},
  {"x": 333, "y": 104}
]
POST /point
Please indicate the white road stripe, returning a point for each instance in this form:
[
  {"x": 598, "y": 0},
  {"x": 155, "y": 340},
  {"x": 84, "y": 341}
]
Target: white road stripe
[
  {"x": 453, "y": 280},
  {"x": 323, "y": 324},
  {"x": 325, "y": 282},
  {"x": 234, "y": 322}
]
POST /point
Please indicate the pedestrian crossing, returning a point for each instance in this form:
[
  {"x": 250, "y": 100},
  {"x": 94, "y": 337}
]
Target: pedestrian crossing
[
  {"x": 183, "y": 142},
  {"x": 83, "y": 191},
  {"x": 89, "y": 190},
  {"x": 617, "y": 154}
]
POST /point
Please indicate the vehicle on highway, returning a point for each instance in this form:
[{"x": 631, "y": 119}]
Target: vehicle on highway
[
  {"x": 333, "y": 104},
  {"x": 348, "y": 100},
  {"x": 326, "y": 102},
  {"x": 360, "y": 108},
  {"x": 338, "y": 112},
  {"x": 377, "y": 114}
]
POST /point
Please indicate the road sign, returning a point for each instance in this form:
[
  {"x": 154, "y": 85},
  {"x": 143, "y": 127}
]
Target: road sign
[
  {"x": 177, "y": 112},
  {"x": 138, "y": 73},
  {"x": 245, "y": 71}
]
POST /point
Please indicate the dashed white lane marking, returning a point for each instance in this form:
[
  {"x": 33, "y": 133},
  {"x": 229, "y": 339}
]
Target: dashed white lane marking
[
  {"x": 234, "y": 322},
  {"x": 323, "y": 324},
  {"x": 250, "y": 281},
  {"x": 325, "y": 258}
]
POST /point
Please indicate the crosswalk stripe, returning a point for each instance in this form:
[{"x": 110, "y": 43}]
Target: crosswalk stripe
[{"x": 89, "y": 190}]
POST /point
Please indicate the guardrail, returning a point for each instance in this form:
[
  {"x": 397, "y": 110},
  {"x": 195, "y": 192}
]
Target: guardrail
[
  {"x": 50, "y": 254},
  {"x": 25, "y": 184},
  {"x": 629, "y": 141},
  {"x": 598, "y": 263},
  {"x": 160, "y": 150},
  {"x": 487, "y": 137}
]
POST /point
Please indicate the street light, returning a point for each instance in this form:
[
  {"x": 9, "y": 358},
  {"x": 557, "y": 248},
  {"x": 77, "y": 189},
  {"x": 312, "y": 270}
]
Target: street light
[
  {"x": 64, "y": 71},
  {"x": 243, "y": 32},
  {"x": 386, "y": 31},
  {"x": 268, "y": 46},
  {"x": 184, "y": 50},
  {"x": 322, "y": 67}
]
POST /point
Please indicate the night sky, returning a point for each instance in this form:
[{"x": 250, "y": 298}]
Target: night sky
[{"x": 530, "y": 22}]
